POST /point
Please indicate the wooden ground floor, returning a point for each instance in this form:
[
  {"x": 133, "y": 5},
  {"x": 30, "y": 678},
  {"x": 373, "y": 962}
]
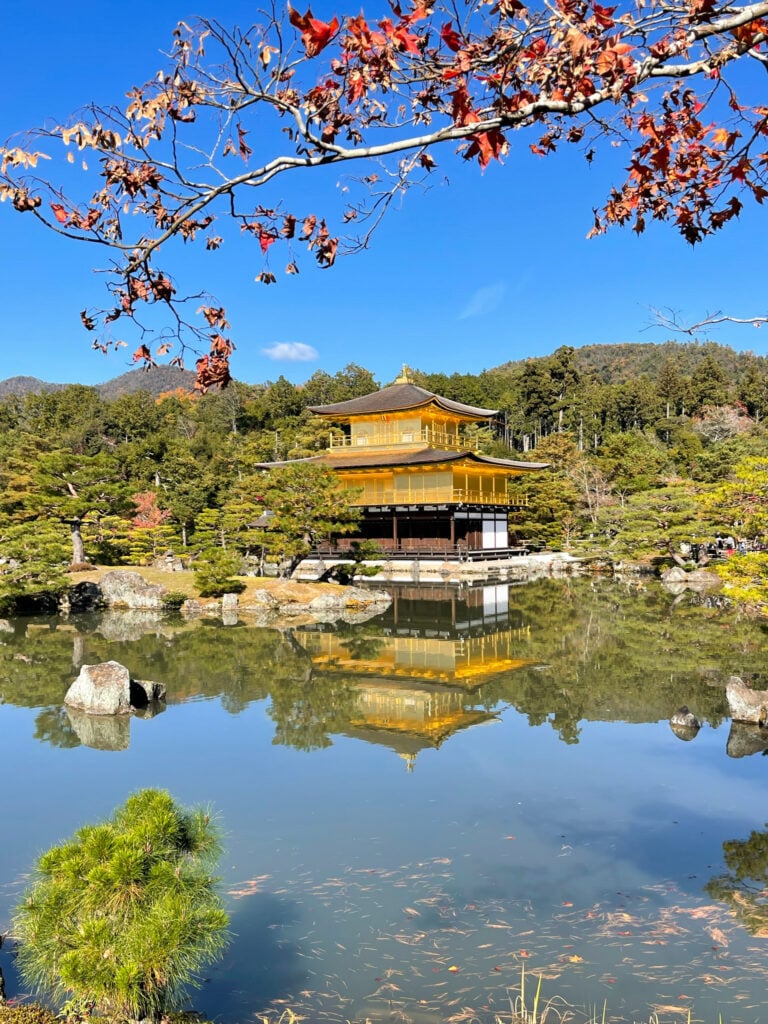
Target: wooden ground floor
[{"x": 432, "y": 530}]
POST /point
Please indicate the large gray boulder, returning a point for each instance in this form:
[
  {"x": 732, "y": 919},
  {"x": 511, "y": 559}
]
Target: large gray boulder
[
  {"x": 124, "y": 589},
  {"x": 107, "y": 689},
  {"x": 703, "y": 579},
  {"x": 745, "y": 704},
  {"x": 674, "y": 575},
  {"x": 103, "y": 689}
]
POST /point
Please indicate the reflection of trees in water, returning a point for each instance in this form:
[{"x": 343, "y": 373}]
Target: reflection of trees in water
[
  {"x": 599, "y": 651},
  {"x": 52, "y": 725},
  {"x": 745, "y": 885},
  {"x": 608, "y": 651},
  {"x": 307, "y": 711},
  {"x": 363, "y": 648}
]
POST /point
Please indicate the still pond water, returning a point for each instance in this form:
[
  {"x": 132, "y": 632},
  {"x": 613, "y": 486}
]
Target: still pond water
[{"x": 419, "y": 807}]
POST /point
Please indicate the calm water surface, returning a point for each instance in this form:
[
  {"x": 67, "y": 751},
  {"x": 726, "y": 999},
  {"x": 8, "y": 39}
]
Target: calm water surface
[{"x": 418, "y": 808}]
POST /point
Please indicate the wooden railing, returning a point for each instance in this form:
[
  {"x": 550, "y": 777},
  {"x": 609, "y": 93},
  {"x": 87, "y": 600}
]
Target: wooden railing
[
  {"x": 416, "y": 495},
  {"x": 433, "y": 547},
  {"x": 404, "y": 438}
]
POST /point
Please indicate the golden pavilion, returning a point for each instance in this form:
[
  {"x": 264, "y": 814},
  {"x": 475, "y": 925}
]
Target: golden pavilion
[{"x": 425, "y": 489}]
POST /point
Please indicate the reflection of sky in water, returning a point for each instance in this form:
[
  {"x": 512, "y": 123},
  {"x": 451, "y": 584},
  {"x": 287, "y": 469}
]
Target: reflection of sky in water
[
  {"x": 512, "y": 847},
  {"x": 354, "y": 885}
]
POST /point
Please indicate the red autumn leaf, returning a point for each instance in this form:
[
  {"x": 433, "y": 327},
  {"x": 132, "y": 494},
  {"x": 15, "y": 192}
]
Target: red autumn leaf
[
  {"x": 461, "y": 107},
  {"x": 266, "y": 238},
  {"x": 59, "y": 213},
  {"x": 405, "y": 40},
  {"x": 486, "y": 146},
  {"x": 451, "y": 37},
  {"x": 604, "y": 16},
  {"x": 315, "y": 34}
]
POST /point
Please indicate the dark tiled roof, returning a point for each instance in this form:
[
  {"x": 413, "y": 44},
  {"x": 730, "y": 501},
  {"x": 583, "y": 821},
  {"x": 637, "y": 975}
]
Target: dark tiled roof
[
  {"x": 415, "y": 457},
  {"x": 396, "y": 398}
]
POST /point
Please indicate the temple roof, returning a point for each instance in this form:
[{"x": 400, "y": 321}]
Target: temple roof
[
  {"x": 397, "y": 398},
  {"x": 414, "y": 457}
]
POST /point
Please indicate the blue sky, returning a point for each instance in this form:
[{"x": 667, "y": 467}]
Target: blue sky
[{"x": 481, "y": 269}]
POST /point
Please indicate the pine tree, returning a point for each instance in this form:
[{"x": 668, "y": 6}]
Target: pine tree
[{"x": 125, "y": 915}]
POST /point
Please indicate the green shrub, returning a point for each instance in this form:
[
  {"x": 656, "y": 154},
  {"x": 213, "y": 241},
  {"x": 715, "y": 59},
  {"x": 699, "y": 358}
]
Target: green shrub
[
  {"x": 27, "y": 1013},
  {"x": 125, "y": 915},
  {"x": 174, "y": 599},
  {"x": 215, "y": 570}
]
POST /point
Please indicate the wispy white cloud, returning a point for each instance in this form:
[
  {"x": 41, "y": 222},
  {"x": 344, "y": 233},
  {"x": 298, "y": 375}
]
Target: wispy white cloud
[
  {"x": 291, "y": 351},
  {"x": 483, "y": 301}
]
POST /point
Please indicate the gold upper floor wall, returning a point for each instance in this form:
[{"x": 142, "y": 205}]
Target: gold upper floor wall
[{"x": 428, "y": 428}]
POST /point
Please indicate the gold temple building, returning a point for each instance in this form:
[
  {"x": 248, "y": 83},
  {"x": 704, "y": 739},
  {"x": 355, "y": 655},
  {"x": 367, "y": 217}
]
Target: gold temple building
[{"x": 424, "y": 487}]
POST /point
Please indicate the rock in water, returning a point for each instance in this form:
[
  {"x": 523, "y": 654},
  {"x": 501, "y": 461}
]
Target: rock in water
[
  {"x": 107, "y": 689},
  {"x": 685, "y": 718},
  {"x": 745, "y": 704},
  {"x": 684, "y": 724},
  {"x": 103, "y": 689}
]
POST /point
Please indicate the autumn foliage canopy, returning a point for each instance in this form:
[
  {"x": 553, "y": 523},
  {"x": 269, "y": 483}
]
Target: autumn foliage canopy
[{"x": 237, "y": 108}]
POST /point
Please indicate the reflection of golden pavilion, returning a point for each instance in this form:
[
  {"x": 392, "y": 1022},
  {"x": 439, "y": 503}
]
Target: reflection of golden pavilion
[
  {"x": 462, "y": 661},
  {"x": 417, "y": 673},
  {"x": 408, "y": 719}
]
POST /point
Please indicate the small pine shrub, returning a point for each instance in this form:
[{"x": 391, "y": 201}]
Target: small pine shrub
[
  {"x": 174, "y": 599},
  {"x": 125, "y": 915},
  {"x": 214, "y": 573}
]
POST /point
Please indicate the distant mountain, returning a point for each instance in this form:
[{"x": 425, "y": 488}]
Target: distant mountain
[
  {"x": 155, "y": 380},
  {"x": 615, "y": 364},
  {"x": 26, "y": 386}
]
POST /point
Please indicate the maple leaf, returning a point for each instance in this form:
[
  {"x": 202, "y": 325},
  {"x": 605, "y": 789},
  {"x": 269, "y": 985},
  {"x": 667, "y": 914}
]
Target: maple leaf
[
  {"x": 603, "y": 16},
  {"x": 487, "y": 146},
  {"x": 59, "y": 213},
  {"x": 315, "y": 34},
  {"x": 266, "y": 238},
  {"x": 308, "y": 227},
  {"x": 450, "y": 37}
]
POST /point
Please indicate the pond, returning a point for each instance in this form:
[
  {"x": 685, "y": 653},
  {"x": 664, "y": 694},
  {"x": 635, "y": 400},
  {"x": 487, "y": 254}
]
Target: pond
[{"x": 420, "y": 810}]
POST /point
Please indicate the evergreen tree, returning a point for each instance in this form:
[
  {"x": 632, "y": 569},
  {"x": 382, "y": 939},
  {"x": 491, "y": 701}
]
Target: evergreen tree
[
  {"x": 306, "y": 503},
  {"x": 125, "y": 915}
]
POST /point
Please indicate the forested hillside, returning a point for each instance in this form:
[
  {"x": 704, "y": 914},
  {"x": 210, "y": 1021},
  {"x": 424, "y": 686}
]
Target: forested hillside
[
  {"x": 649, "y": 447},
  {"x": 615, "y": 364}
]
